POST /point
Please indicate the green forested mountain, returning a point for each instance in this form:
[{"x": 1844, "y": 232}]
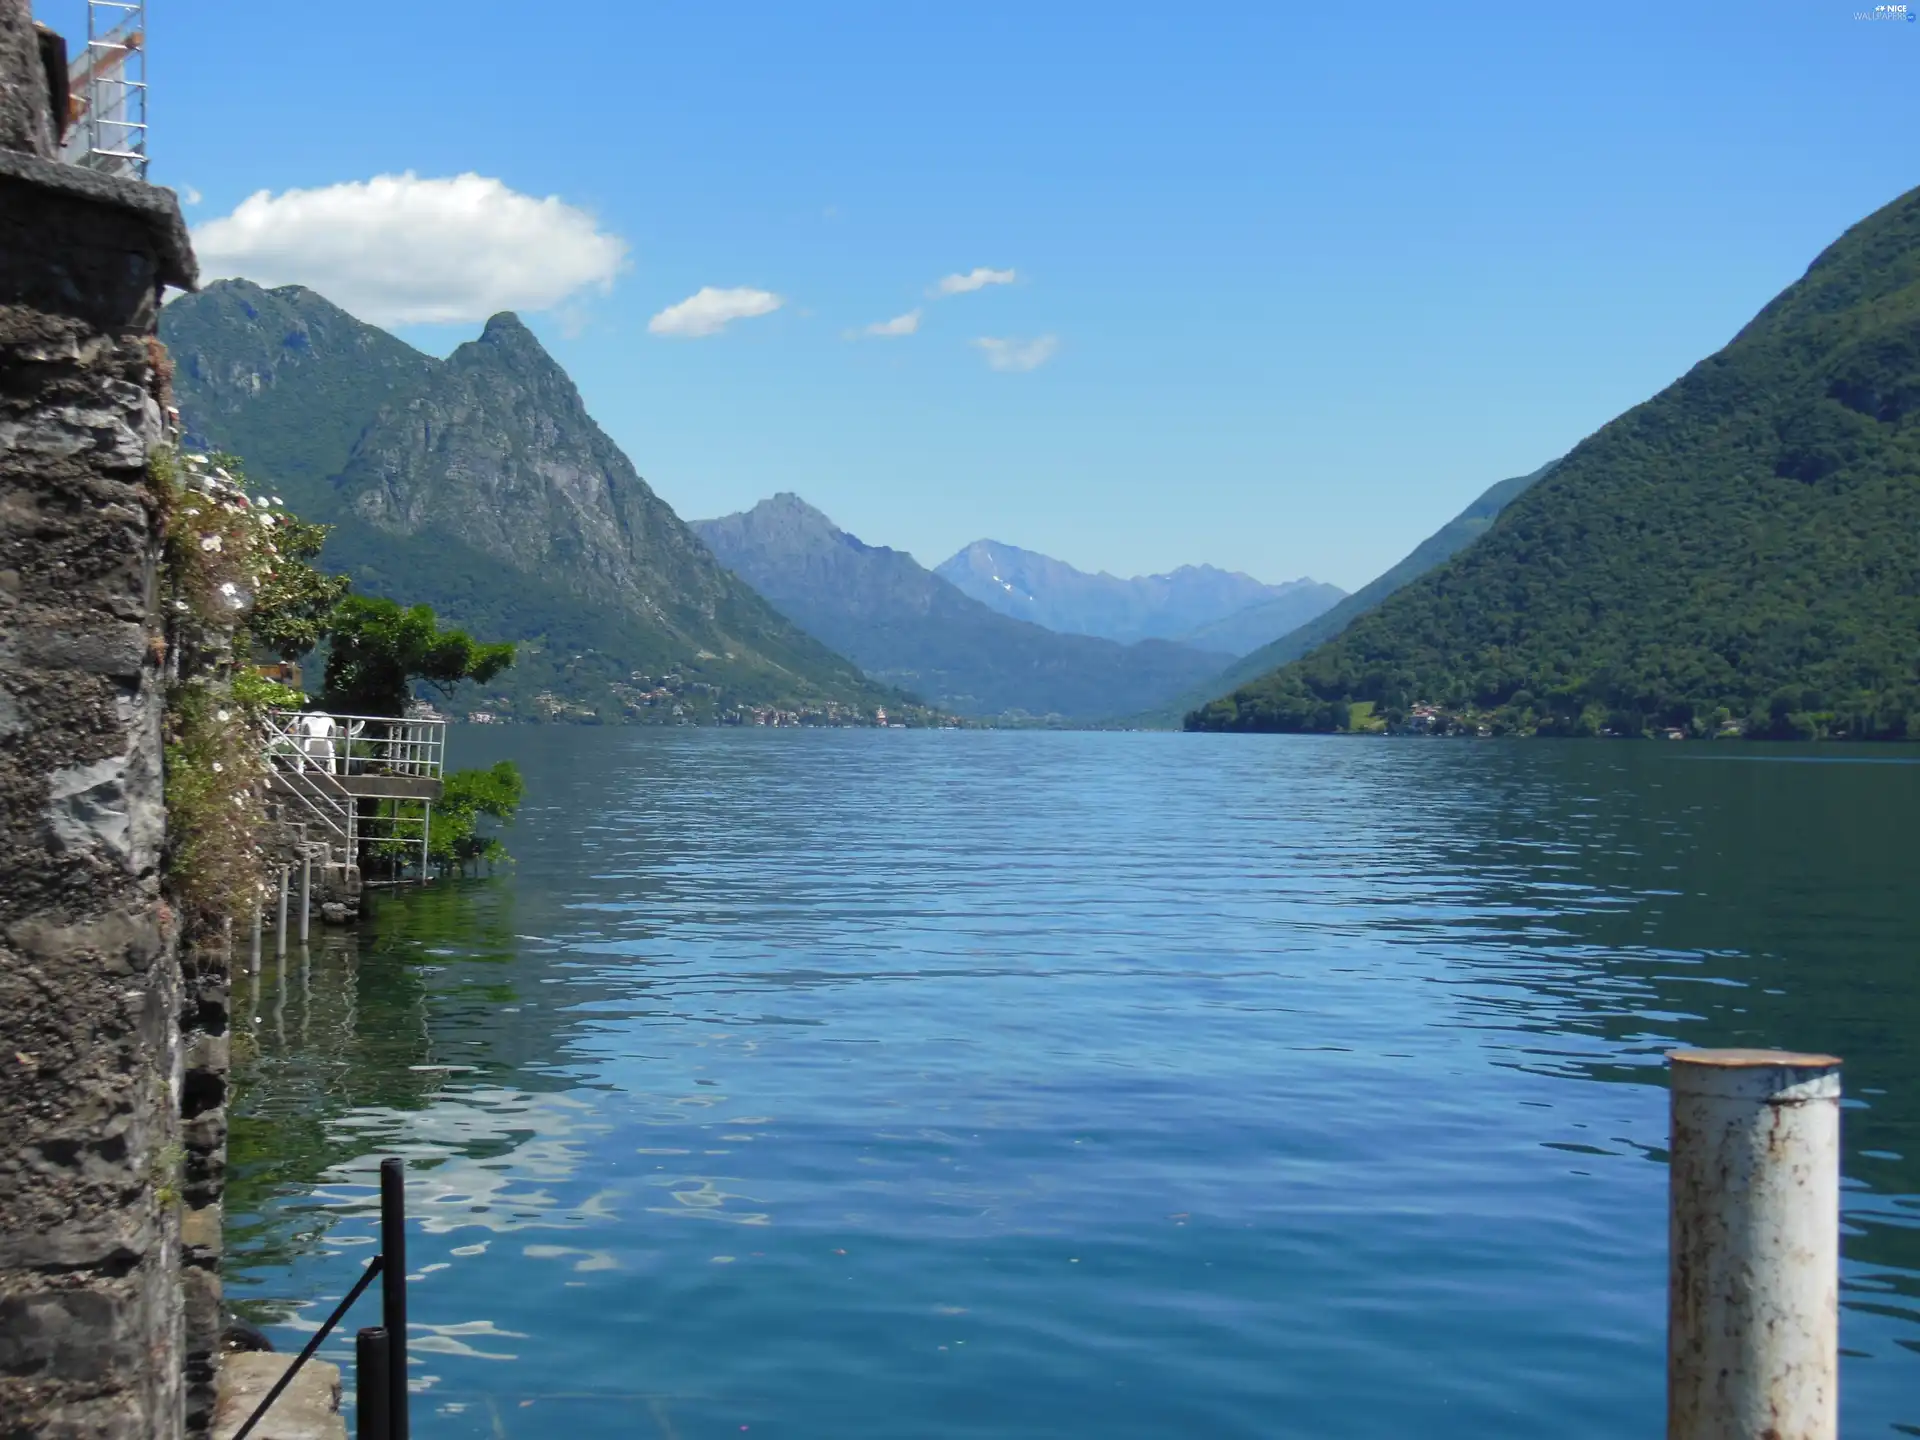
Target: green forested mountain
[
  {"x": 1449, "y": 540},
  {"x": 284, "y": 379},
  {"x": 908, "y": 627},
  {"x": 1741, "y": 551},
  {"x": 480, "y": 485}
]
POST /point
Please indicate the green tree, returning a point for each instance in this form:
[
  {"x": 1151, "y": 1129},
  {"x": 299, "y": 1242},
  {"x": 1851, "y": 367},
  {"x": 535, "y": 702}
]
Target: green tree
[
  {"x": 468, "y": 797},
  {"x": 379, "y": 650}
]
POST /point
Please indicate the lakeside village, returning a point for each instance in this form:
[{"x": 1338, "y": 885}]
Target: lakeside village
[
  {"x": 671, "y": 699},
  {"x": 1520, "y": 720}
]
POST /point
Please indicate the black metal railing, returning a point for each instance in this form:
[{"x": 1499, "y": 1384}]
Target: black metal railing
[{"x": 380, "y": 1351}]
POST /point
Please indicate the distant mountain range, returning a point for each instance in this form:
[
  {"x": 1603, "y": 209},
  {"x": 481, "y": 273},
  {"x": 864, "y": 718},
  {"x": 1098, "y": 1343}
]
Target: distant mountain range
[
  {"x": 1741, "y": 552},
  {"x": 909, "y": 627},
  {"x": 1198, "y": 605},
  {"x": 480, "y": 485}
]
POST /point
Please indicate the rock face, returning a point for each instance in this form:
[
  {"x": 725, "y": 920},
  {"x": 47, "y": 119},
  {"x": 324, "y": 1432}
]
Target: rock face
[
  {"x": 907, "y": 626},
  {"x": 497, "y": 450},
  {"x": 480, "y": 485},
  {"x": 92, "y": 1058}
]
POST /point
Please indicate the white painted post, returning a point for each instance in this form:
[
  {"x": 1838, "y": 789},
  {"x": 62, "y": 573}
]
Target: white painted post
[
  {"x": 280, "y": 925},
  {"x": 306, "y": 893},
  {"x": 1753, "y": 1295},
  {"x": 259, "y": 912}
]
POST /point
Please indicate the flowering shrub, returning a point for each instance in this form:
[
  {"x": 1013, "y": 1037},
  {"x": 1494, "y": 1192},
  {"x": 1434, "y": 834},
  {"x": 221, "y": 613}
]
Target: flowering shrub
[{"x": 222, "y": 562}]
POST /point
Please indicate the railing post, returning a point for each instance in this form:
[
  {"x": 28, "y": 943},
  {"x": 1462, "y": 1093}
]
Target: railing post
[
  {"x": 259, "y": 910},
  {"x": 393, "y": 1289},
  {"x": 306, "y": 892},
  {"x": 280, "y": 926},
  {"x": 1753, "y": 1298},
  {"x": 372, "y": 1392}
]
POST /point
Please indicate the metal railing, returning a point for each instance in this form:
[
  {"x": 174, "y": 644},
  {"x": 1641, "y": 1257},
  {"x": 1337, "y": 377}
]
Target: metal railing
[
  {"x": 380, "y": 1351},
  {"x": 346, "y": 745}
]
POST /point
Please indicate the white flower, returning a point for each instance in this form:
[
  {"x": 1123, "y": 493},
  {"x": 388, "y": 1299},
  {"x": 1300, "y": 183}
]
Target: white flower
[
  {"x": 218, "y": 767},
  {"x": 198, "y": 459},
  {"x": 220, "y": 715},
  {"x": 260, "y": 500},
  {"x": 210, "y": 543},
  {"x": 278, "y": 501}
]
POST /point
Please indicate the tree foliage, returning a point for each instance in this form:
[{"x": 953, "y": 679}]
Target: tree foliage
[
  {"x": 468, "y": 797},
  {"x": 296, "y": 602},
  {"x": 1740, "y": 553},
  {"x": 379, "y": 649}
]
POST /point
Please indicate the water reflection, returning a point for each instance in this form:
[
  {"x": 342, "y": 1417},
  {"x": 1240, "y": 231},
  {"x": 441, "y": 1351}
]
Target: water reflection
[{"x": 1042, "y": 1085}]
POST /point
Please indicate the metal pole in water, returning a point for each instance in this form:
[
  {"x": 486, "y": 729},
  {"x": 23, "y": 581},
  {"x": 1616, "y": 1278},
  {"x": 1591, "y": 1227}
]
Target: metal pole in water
[
  {"x": 258, "y": 915},
  {"x": 280, "y": 924},
  {"x": 393, "y": 1289},
  {"x": 1753, "y": 1290},
  {"x": 306, "y": 893},
  {"x": 372, "y": 1393}
]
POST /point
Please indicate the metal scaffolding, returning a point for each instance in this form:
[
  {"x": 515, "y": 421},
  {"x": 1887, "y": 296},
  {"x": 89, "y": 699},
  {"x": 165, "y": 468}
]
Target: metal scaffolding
[{"x": 108, "y": 87}]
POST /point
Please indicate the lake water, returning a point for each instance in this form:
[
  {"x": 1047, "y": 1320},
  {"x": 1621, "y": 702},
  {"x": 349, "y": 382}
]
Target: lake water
[{"x": 922, "y": 1084}]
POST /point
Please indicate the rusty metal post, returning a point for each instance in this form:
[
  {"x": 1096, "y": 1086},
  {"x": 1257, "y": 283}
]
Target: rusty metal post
[{"x": 1753, "y": 1294}]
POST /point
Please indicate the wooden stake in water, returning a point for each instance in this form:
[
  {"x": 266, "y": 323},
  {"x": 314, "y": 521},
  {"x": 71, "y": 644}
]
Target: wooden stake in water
[{"x": 1753, "y": 1299}]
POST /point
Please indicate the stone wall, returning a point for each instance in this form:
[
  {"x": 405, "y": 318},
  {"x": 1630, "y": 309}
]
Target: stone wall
[{"x": 93, "y": 1063}]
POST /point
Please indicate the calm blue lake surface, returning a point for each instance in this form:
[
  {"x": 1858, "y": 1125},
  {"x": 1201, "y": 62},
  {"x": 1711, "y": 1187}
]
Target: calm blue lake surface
[{"x": 922, "y": 1084}]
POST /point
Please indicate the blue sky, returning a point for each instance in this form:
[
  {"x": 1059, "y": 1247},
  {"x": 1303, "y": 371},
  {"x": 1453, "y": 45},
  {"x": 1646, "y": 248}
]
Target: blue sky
[{"x": 1305, "y": 278}]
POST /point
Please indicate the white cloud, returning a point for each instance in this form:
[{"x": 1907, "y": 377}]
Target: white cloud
[
  {"x": 976, "y": 279},
  {"x": 189, "y": 195},
  {"x": 891, "y": 329},
  {"x": 1018, "y": 354},
  {"x": 397, "y": 249},
  {"x": 709, "y": 311}
]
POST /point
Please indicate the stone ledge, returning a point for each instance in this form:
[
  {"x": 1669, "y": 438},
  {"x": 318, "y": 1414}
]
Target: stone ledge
[
  {"x": 159, "y": 208},
  {"x": 309, "y": 1408}
]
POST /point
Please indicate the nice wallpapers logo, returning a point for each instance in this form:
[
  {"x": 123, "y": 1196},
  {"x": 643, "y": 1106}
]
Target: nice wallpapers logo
[{"x": 1909, "y": 13}]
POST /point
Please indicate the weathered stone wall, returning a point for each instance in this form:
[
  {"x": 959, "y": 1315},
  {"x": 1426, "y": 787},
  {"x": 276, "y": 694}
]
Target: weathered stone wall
[
  {"x": 92, "y": 1064},
  {"x": 26, "y": 106}
]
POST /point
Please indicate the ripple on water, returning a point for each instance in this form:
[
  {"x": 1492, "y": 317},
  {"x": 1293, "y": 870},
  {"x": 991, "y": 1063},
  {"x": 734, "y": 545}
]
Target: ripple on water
[{"x": 1071, "y": 1084}]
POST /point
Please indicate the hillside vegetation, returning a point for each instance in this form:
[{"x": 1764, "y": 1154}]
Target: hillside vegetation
[
  {"x": 480, "y": 485},
  {"x": 1741, "y": 552},
  {"x": 1446, "y": 542}
]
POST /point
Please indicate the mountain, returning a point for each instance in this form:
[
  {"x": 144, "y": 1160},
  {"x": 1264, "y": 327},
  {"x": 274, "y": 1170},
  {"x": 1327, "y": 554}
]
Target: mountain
[
  {"x": 1191, "y": 604},
  {"x": 283, "y": 379},
  {"x": 1742, "y": 550},
  {"x": 480, "y": 485},
  {"x": 1449, "y": 540},
  {"x": 907, "y": 626}
]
